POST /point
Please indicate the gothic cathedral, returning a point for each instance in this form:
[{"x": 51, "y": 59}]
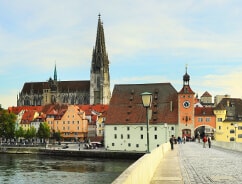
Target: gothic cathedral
[{"x": 95, "y": 91}]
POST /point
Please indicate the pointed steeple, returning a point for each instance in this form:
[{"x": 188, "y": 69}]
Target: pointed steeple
[
  {"x": 100, "y": 58},
  {"x": 55, "y": 74},
  {"x": 100, "y": 79}
]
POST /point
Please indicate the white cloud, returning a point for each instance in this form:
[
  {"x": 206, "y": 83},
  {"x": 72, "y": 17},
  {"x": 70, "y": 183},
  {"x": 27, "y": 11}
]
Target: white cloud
[
  {"x": 166, "y": 34},
  {"x": 226, "y": 82}
]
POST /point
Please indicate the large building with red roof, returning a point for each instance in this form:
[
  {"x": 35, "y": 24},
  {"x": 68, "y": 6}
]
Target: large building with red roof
[{"x": 125, "y": 126}]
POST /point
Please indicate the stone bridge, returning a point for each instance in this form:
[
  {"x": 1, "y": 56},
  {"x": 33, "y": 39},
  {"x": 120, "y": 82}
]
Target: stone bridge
[{"x": 188, "y": 163}]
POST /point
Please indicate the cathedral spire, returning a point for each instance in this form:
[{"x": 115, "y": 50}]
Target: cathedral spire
[
  {"x": 99, "y": 49},
  {"x": 100, "y": 79},
  {"x": 55, "y": 73}
]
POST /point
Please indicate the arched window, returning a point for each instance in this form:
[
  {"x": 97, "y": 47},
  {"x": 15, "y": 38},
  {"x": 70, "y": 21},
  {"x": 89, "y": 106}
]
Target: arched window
[{"x": 27, "y": 101}]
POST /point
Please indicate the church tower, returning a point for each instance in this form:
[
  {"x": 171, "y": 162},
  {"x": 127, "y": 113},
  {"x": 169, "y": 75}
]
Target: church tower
[
  {"x": 100, "y": 78},
  {"x": 50, "y": 91},
  {"x": 186, "y": 103}
]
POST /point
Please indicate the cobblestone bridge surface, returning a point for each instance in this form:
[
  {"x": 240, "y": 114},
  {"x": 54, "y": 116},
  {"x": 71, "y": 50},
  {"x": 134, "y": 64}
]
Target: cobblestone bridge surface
[{"x": 209, "y": 165}]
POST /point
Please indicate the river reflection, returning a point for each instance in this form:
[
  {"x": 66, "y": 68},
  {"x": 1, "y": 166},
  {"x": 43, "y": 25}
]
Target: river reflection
[{"x": 24, "y": 169}]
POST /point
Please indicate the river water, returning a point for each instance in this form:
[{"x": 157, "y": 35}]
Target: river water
[{"x": 38, "y": 169}]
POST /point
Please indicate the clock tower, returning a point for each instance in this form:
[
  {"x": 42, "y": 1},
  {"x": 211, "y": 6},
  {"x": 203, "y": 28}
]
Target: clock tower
[{"x": 186, "y": 108}]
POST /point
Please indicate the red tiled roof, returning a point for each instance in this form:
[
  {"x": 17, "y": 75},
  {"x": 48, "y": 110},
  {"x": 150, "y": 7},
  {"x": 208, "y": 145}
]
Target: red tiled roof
[
  {"x": 58, "y": 110},
  {"x": 204, "y": 111},
  {"x": 16, "y": 110},
  {"x": 98, "y": 108},
  {"x": 126, "y": 104},
  {"x": 55, "y": 109},
  {"x": 47, "y": 109},
  {"x": 28, "y": 116}
]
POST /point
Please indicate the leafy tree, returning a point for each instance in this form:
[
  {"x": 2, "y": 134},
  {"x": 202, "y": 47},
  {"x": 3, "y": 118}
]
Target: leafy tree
[
  {"x": 7, "y": 124},
  {"x": 30, "y": 133},
  {"x": 57, "y": 136},
  {"x": 43, "y": 131},
  {"x": 20, "y": 132}
]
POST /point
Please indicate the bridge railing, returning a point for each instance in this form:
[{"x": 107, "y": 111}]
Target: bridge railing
[
  {"x": 143, "y": 169},
  {"x": 228, "y": 145}
]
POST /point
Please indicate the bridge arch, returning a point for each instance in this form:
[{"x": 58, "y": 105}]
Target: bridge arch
[{"x": 202, "y": 130}]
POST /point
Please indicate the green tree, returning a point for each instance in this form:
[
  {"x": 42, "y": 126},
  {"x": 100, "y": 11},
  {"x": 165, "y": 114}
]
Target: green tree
[
  {"x": 20, "y": 132},
  {"x": 30, "y": 133},
  {"x": 7, "y": 124},
  {"x": 57, "y": 136},
  {"x": 43, "y": 131}
]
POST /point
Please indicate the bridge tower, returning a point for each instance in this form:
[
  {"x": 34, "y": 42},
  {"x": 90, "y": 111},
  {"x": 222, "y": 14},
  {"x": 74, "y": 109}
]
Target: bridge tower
[{"x": 186, "y": 108}]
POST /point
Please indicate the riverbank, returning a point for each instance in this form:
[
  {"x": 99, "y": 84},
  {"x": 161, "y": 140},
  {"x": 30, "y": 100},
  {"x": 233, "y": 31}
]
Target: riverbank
[
  {"x": 92, "y": 153},
  {"x": 19, "y": 150}
]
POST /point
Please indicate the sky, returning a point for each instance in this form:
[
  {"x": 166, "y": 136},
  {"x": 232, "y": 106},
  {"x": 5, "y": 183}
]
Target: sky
[{"x": 146, "y": 41}]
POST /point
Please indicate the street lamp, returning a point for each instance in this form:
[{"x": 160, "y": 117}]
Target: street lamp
[{"x": 146, "y": 100}]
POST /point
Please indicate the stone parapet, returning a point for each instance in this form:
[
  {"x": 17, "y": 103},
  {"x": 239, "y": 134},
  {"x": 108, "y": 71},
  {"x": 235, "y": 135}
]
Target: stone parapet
[
  {"x": 228, "y": 145},
  {"x": 143, "y": 169}
]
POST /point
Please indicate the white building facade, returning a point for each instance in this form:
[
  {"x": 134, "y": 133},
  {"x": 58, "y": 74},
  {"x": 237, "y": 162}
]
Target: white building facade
[{"x": 134, "y": 137}]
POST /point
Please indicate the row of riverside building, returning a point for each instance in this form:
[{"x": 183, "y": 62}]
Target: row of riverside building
[
  {"x": 82, "y": 110},
  {"x": 74, "y": 122},
  {"x": 122, "y": 123}
]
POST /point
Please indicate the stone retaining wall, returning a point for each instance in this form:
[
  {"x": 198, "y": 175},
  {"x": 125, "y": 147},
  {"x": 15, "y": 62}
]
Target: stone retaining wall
[
  {"x": 93, "y": 154},
  {"x": 72, "y": 153},
  {"x": 19, "y": 150}
]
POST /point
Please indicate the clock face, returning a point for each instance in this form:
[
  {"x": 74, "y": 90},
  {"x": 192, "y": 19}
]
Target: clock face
[{"x": 186, "y": 104}]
